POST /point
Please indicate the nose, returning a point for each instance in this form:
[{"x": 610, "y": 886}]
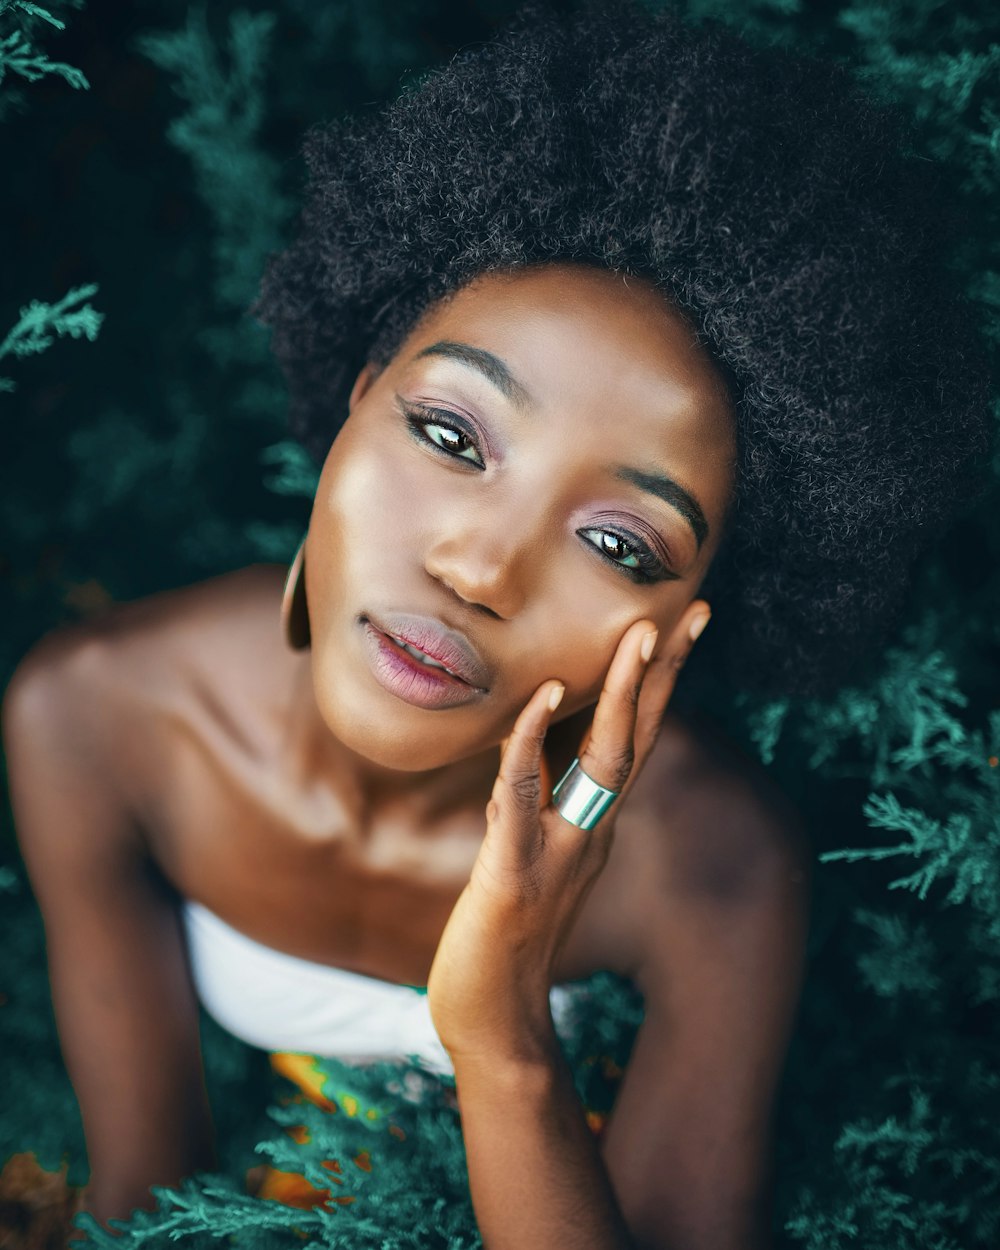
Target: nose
[{"x": 486, "y": 562}]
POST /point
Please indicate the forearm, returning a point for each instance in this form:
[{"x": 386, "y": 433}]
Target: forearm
[
  {"x": 112, "y": 1203},
  {"x": 125, "y": 1184},
  {"x": 134, "y": 1150},
  {"x": 535, "y": 1171}
]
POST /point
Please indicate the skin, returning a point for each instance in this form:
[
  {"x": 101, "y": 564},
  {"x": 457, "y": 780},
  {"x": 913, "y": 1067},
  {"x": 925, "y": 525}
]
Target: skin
[
  {"x": 323, "y": 816},
  {"x": 498, "y": 553}
]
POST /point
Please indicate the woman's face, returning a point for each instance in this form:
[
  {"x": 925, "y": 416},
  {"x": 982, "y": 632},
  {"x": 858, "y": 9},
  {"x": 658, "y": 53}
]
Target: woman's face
[{"x": 546, "y": 460}]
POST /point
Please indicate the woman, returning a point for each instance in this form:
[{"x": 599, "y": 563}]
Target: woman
[{"x": 608, "y": 328}]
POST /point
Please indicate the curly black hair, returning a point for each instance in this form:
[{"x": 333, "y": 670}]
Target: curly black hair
[{"x": 766, "y": 196}]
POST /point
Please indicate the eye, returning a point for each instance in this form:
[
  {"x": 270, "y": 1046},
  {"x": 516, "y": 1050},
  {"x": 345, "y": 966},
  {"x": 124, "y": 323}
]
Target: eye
[
  {"x": 451, "y": 437},
  {"x": 629, "y": 555}
]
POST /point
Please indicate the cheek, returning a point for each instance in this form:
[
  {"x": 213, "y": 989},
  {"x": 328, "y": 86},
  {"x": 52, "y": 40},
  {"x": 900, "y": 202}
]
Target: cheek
[
  {"x": 579, "y": 652},
  {"x": 366, "y": 495},
  {"x": 584, "y": 637}
]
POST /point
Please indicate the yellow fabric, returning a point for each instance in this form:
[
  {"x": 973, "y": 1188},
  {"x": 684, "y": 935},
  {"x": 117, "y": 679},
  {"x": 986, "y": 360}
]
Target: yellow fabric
[{"x": 307, "y": 1074}]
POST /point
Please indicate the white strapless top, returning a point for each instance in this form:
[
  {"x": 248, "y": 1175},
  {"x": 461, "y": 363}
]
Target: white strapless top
[{"x": 281, "y": 1002}]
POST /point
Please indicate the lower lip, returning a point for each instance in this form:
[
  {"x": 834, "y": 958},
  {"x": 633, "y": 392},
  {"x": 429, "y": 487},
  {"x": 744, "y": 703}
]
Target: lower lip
[{"x": 399, "y": 673}]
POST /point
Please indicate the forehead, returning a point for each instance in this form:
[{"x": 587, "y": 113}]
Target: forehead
[
  {"x": 603, "y": 358},
  {"x": 553, "y": 319}
]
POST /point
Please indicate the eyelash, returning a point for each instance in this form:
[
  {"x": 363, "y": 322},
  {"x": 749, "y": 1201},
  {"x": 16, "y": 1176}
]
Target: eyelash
[{"x": 418, "y": 418}]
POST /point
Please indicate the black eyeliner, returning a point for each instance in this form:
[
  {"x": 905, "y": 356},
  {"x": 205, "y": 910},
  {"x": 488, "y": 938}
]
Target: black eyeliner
[
  {"x": 417, "y": 416},
  {"x": 654, "y": 570}
]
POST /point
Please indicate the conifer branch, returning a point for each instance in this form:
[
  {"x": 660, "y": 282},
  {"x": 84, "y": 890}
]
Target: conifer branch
[
  {"x": 296, "y": 474},
  {"x": 18, "y": 56},
  {"x": 33, "y": 10},
  {"x": 40, "y": 321},
  {"x": 236, "y": 179}
]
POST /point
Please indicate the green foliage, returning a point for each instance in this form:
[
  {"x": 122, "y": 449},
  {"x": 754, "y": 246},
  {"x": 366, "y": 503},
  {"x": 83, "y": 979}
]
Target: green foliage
[
  {"x": 902, "y": 961},
  {"x": 19, "y": 56},
  {"x": 905, "y": 1182},
  {"x": 295, "y": 473},
  {"x": 912, "y": 751},
  {"x": 236, "y": 180},
  {"x": 156, "y": 455},
  {"x": 39, "y": 322}
]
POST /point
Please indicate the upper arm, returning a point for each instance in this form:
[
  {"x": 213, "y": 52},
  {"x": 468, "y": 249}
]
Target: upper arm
[
  {"x": 124, "y": 1004},
  {"x": 688, "y": 1144}
]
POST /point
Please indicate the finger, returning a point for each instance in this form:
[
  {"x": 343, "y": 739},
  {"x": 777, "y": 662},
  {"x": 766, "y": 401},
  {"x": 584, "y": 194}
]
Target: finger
[
  {"x": 609, "y": 753},
  {"x": 545, "y": 779},
  {"x": 658, "y": 688},
  {"x": 544, "y": 772},
  {"x": 518, "y": 789}
]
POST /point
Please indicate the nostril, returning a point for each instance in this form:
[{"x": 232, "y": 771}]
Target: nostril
[{"x": 470, "y": 593}]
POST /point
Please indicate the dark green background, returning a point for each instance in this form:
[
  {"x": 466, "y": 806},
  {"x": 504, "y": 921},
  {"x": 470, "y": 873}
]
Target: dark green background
[{"x": 156, "y": 455}]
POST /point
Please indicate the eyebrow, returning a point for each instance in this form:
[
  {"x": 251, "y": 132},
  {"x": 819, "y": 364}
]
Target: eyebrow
[
  {"x": 495, "y": 371},
  {"x": 491, "y": 367},
  {"x": 670, "y": 492}
]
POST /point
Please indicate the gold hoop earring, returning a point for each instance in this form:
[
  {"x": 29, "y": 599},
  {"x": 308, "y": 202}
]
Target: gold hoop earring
[{"x": 294, "y": 609}]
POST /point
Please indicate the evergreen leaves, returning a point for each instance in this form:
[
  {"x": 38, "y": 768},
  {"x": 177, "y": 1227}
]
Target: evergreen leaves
[
  {"x": 889, "y": 1130},
  {"x": 19, "y": 56},
  {"x": 39, "y": 322},
  {"x": 235, "y": 177}
]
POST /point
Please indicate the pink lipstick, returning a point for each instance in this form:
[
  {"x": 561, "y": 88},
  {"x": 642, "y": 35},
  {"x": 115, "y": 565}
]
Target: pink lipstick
[{"x": 416, "y": 681}]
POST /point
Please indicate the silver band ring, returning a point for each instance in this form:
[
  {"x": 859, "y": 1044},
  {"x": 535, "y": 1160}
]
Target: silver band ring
[{"x": 579, "y": 799}]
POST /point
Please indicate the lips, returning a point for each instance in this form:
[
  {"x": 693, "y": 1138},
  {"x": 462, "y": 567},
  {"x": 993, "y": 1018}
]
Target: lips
[{"x": 428, "y": 636}]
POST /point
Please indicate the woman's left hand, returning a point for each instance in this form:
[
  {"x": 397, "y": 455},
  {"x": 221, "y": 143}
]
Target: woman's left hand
[{"x": 488, "y": 988}]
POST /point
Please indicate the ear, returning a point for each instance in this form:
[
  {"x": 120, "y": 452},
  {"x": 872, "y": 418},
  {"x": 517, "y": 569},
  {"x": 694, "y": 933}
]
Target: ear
[{"x": 361, "y": 384}]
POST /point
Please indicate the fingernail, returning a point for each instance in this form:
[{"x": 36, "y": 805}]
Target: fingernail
[
  {"x": 697, "y": 625},
  {"x": 555, "y": 697},
  {"x": 648, "y": 643}
]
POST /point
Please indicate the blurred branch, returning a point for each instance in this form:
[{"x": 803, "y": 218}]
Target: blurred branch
[
  {"x": 18, "y": 56},
  {"x": 39, "y": 322}
]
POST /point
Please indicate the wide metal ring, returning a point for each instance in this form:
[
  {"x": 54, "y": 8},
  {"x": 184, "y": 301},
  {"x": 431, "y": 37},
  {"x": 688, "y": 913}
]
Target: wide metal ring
[{"x": 579, "y": 799}]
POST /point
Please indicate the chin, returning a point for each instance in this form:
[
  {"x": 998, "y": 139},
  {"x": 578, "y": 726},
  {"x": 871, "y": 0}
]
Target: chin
[
  {"x": 392, "y": 734},
  {"x": 413, "y": 753},
  {"x": 413, "y": 725}
]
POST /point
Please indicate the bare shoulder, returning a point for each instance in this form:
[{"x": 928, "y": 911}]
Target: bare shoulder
[
  {"x": 730, "y": 827},
  {"x": 714, "y": 845},
  {"x": 716, "y": 922},
  {"x": 161, "y": 623},
  {"x": 99, "y": 674}
]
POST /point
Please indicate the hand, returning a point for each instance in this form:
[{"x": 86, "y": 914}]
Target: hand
[{"x": 488, "y": 988}]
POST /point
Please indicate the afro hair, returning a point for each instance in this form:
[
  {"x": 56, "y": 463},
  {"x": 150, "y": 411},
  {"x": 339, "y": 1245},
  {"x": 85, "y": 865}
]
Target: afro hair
[{"x": 767, "y": 197}]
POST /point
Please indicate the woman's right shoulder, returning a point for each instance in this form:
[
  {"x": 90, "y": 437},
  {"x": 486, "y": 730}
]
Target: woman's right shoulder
[{"x": 99, "y": 679}]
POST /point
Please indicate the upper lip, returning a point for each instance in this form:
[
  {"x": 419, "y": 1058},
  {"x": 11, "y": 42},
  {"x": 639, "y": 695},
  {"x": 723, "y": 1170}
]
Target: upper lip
[{"x": 447, "y": 646}]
